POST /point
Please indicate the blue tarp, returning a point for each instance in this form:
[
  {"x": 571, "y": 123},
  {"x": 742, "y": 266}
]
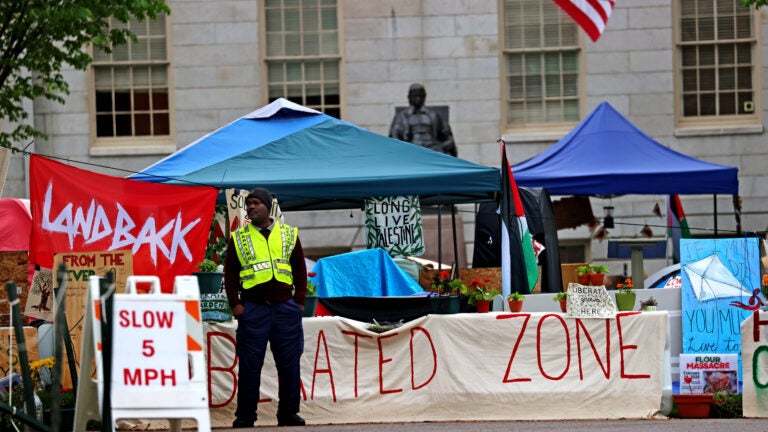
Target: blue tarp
[
  {"x": 605, "y": 154},
  {"x": 365, "y": 273},
  {"x": 312, "y": 161}
]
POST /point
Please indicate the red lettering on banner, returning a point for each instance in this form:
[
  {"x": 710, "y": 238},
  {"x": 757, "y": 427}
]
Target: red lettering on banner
[
  {"x": 382, "y": 361},
  {"x": 623, "y": 347},
  {"x": 756, "y": 323},
  {"x": 607, "y": 369},
  {"x": 413, "y": 366},
  {"x": 148, "y": 319},
  {"x": 328, "y": 370},
  {"x": 526, "y": 318},
  {"x": 229, "y": 370},
  {"x": 567, "y": 346},
  {"x": 144, "y": 377},
  {"x": 357, "y": 349}
]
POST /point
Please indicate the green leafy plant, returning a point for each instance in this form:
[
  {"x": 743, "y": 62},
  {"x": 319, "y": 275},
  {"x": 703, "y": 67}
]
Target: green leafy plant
[
  {"x": 444, "y": 285},
  {"x": 600, "y": 268},
  {"x": 726, "y": 406},
  {"x": 311, "y": 284},
  {"x": 582, "y": 270},
  {"x": 649, "y": 302},
  {"x": 515, "y": 296},
  {"x": 562, "y": 295},
  {"x": 478, "y": 290},
  {"x": 207, "y": 266}
]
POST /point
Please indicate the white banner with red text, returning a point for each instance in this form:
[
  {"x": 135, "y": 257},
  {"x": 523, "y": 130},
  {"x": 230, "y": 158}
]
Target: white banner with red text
[{"x": 495, "y": 366}]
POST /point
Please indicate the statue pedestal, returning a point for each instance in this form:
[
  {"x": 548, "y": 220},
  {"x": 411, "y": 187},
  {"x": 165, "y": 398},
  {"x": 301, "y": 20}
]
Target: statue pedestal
[{"x": 429, "y": 225}]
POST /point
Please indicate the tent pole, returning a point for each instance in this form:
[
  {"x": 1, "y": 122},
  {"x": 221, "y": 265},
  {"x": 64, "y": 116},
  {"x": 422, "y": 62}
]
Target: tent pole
[
  {"x": 455, "y": 243},
  {"x": 439, "y": 239},
  {"x": 714, "y": 205}
]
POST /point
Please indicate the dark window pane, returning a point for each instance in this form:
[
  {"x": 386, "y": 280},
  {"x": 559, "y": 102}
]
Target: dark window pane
[
  {"x": 707, "y": 102},
  {"x": 160, "y": 100},
  {"x": 103, "y": 101},
  {"x": 142, "y": 124},
  {"x": 141, "y": 101},
  {"x": 104, "y": 126},
  {"x": 122, "y": 101},
  {"x": 162, "y": 124},
  {"x": 727, "y": 103},
  {"x": 123, "y": 125}
]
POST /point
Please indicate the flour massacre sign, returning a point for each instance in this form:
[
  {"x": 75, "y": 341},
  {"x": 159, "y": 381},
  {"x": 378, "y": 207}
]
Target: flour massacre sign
[
  {"x": 394, "y": 224},
  {"x": 73, "y": 210}
]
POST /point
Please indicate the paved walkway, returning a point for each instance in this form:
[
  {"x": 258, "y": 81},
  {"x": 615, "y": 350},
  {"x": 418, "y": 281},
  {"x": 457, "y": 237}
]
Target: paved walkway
[{"x": 655, "y": 425}]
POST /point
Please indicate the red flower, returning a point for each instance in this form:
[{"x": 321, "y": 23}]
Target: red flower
[
  {"x": 311, "y": 274},
  {"x": 688, "y": 380},
  {"x": 445, "y": 274}
]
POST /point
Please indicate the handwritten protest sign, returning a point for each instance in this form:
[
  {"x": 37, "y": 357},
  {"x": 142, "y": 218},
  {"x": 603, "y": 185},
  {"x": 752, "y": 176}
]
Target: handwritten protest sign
[
  {"x": 589, "y": 302},
  {"x": 394, "y": 224}
]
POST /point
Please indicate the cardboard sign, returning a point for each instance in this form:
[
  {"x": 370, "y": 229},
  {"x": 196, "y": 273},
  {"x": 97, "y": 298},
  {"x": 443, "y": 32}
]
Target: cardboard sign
[
  {"x": 394, "y": 224},
  {"x": 80, "y": 266},
  {"x": 9, "y": 349},
  {"x": 13, "y": 267},
  {"x": 709, "y": 373},
  {"x": 589, "y": 302}
]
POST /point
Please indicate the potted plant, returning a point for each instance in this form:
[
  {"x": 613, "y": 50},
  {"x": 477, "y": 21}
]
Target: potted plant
[
  {"x": 649, "y": 304},
  {"x": 310, "y": 302},
  {"x": 597, "y": 274},
  {"x": 445, "y": 293},
  {"x": 693, "y": 405},
  {"x": 209, "y": 277},
  {"x": 562, "y": 298},
  {"x": 582, "y": 272},
  {"x": 515, "y": 301},
  {"x": 625, "y": 295},
  {"x": 480, "y": 295}
]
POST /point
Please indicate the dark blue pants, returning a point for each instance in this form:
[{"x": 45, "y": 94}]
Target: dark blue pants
[{"x": 280, "y": 325}]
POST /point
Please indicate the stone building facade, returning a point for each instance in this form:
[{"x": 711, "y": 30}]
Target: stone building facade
[{"x": 689, "y": 74}]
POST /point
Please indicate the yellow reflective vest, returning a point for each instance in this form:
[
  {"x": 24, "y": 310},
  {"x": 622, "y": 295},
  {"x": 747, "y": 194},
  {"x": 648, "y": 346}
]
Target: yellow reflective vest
[{"x": 261, "y": 259}]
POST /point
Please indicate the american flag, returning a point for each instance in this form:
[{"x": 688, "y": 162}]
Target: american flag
[{"x": 591, "y": 15}]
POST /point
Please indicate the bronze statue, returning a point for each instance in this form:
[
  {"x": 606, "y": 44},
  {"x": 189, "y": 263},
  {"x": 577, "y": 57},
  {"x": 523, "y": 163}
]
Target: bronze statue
[{"x": 422, "y": 125}]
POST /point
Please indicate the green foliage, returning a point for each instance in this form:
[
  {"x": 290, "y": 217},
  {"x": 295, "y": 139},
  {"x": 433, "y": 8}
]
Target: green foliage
[
  {"x": 39, "y": 37},
  {"x": 726, "y": 406},
  {"x": 650, "y": 301},
  {"x": 478, "y": 290},
  {"x": 755, "y": 3},
  {"x": 216, "y": 249},
  {"x": 515, "y": 296},
  {"x": 600, "y": 268},
  {"x": 582, "y": 270},
  {"x": 207, "y": 266},
  {"x": 562, "y": 295}
]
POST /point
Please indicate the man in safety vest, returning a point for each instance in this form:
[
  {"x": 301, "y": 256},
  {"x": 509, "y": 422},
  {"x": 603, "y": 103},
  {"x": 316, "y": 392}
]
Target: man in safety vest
[{"x": 266, "y": 283}]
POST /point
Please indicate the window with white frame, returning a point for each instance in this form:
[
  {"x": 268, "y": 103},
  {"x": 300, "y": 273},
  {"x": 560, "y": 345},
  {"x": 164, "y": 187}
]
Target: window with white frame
[
  {"x": 132, "y": 97},
  {"x": 716, "y": 50},
  {"x": 302, "y": 53},
  {"x": 541, "y": 58}
]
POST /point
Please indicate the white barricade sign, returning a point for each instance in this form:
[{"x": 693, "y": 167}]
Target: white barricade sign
[{"x": 158, "y": 365}]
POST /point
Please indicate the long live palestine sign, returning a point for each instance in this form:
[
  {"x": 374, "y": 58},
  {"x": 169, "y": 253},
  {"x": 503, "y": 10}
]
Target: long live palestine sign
[{"x": 394, "y": 224}]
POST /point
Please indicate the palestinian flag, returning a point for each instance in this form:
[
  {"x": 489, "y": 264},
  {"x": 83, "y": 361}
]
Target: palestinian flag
[
  {"x": 519, "y": 269},
  {"x": 677, "y": 225}
]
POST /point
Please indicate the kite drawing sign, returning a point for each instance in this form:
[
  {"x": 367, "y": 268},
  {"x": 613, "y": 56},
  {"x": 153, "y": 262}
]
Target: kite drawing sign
[{"x": 720, "y": 288}]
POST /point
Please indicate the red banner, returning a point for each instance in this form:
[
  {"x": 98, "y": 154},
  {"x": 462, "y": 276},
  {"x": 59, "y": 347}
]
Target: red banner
[{"x": 73, "y": 210}]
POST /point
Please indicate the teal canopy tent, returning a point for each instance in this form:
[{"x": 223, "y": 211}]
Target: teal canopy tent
[{"x": 312, "y": 161}]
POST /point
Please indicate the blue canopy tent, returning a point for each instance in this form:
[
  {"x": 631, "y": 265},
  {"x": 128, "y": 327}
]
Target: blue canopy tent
[
  {"x": 312, "y": 161},
  {"x": 605, "y": 154}
]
